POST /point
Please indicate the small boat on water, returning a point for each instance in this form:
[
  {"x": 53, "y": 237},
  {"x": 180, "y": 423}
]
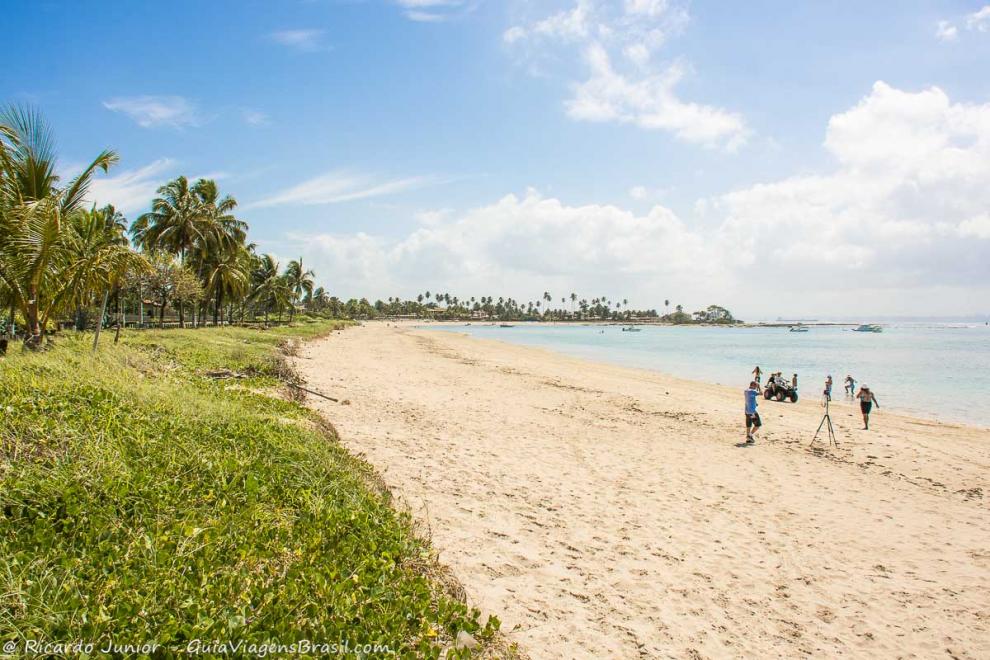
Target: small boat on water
[
  {"x": 798, "y": 328},
  {"x": 631, "y": 329},
  {"x": 868, "y": 327},
  {"x": 506, "y": 325}
]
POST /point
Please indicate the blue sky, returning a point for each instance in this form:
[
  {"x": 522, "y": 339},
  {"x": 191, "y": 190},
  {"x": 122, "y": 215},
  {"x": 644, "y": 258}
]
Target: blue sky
[{"x": 637, "y": 148}]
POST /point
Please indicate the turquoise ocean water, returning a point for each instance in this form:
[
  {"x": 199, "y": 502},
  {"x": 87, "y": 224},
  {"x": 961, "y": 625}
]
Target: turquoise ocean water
[{"x": 937, "y": 371}]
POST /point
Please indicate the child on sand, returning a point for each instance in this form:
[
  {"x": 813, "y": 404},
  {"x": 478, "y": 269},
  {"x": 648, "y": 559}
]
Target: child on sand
[
  {"x": 866, "y": 401},
  {"x": 850, "y": 385},
  {"x": 756, "y": 374},
  {"x": 753, "y": 422}
]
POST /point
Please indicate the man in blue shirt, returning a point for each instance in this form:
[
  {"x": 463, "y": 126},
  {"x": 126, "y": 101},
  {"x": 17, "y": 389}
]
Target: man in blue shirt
[{"x": 753, "y": 422}]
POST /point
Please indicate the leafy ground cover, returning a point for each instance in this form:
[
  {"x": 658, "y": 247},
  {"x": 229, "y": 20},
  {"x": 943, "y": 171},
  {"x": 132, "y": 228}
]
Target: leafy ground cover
[{"x": 143, "y": 501}]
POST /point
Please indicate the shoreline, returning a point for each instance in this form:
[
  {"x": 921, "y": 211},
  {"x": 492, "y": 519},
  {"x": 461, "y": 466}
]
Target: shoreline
[
  {"x": 601, "y": 509},
  {"x": 837, "y": 401},
  {"x": 608, "y": 322}
]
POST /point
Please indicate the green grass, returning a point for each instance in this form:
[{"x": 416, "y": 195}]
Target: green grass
[{"x": 141, "y": 501}]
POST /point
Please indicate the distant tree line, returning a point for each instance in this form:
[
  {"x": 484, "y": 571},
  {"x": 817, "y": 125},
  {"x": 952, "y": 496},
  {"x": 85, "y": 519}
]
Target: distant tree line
[{"x": 444, "y": 306}]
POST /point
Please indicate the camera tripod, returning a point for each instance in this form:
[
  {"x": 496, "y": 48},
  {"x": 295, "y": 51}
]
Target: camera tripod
[{"x": 826, "y": 422}]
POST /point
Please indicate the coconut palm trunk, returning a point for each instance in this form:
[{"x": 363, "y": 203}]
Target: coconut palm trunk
[
  {"x": 99, "y": 319},
  {"x": 33, "y": 318},
  {"x": 120, "y": 318}
]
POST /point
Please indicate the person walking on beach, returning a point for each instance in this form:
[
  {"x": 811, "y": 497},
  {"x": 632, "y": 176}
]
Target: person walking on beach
[
  {"x": 756, "y": 374},
  {"x": 794, "y": 381},
  {"x": 850, "y": 385},
  {"x": 828, "y": 388},
  {"x": 866, "y": 400},
  {"x": 753, "y": 422}
]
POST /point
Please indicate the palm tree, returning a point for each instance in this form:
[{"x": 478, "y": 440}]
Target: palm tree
[
  {"x": 176, "y": 224},
  {"x": 216, "y": 212},
  {"x": 319, "y": 300},
  {"x": 100, "y": 257},
  {"x": 223, "y": 238},
  {"x": 228, "y": 277},
  {"x": 666, "y": 304},
  {"x": 299, "y": 280},
  {"x": 38, "y": 267},
  {"x": 268, "y": 287}
]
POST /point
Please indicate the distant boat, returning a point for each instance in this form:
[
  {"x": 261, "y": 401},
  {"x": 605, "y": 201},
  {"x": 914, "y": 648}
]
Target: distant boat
[
  {"x": 868, "y": 327},
  {"x": 798, "y": 328},
  {"x": 506, "y": 325},
  {"x": 631, "y": 329}
]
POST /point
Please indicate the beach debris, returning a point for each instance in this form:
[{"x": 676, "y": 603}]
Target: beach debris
[
  {"x": 315, "y": 393},
  {"x": 218, "y": 374},
  {"x": 465, "y": 641},
  {"x": 971, "y": 493}
]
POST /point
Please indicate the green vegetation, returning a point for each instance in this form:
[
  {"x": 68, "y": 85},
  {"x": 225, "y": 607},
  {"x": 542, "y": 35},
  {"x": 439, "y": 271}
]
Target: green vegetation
[
  {"x": 714, "y": 314},
  {"x": 54, "y": 254},
  {"x": 61, "y": 263},
  {"x": 142, "y": 500},
  {"x": 444, "y": 306}
]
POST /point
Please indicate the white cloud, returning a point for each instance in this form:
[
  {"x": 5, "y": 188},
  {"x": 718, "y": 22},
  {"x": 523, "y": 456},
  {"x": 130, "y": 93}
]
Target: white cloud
[
  {"x": 130, "y": 191},
  {"x": 516, "y": 243},
  {"x": 255, "y": 117},
  {"x": 566, "y": 25},
  {"x": 898, "y": 224},
  {"x": 979, "y": 20},
  {"x": 305, "y": 41},
  {"x": 912, "y": 177},
  {"x": 425, "y": 17},
  {"x": 150, "y": 111},
  {"x": 946, "y": 31},
  {"x": 647, "y": 8},
  {"x": 432, "y": 218},
  {"x": 618, "y": 43},
  {"x": 638, "y": 54},
  {"x": 341, "y": 186},
  {"x": 434, "y": 11},
  {"x": 978, "y": 227},
  {"x": 514, "y": 34},
  {"x": 651, "y": 102},
  {"x": 643, "y": 193}
]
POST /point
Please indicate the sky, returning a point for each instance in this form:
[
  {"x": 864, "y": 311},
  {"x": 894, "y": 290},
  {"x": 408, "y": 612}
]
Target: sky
[{"x": 783, "y": 159}]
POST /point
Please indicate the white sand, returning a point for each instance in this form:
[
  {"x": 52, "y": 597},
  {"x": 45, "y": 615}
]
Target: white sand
[{"x": 607, "y": 512}]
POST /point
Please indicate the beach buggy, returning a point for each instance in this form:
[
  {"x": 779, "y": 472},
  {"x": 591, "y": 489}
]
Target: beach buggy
[{"x": 780, "y": 388}]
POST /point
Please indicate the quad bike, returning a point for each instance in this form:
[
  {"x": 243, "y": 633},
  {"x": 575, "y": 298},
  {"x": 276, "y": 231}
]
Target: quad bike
[{"x": 780, "y": 389}]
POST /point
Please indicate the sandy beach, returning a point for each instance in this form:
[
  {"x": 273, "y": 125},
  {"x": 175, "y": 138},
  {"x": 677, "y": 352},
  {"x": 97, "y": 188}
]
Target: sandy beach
[{"x": 602, "y": 511}]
